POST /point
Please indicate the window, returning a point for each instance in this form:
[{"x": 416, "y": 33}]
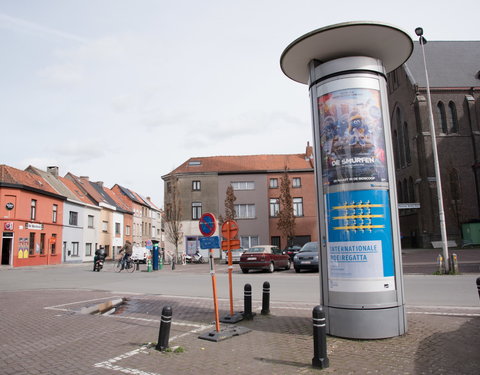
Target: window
[
  {"x": 297, "y": 206},
  {"x": 33, "y": 209},
  {"x": 196, "y": 185},
  {"x": 90, "y": 220},
  {"x": 454, "y": 185},
  {"x": 245, "y": 211},
  {"x": 73, "y": 218},
  {"x": 243, "y": 185},
  {"x": 275, "y": 241},
  {"x": 127, "y": 230},
  {"x": 31, "y": 244},
  {"x": 104, "y": 226},
  {"x": 274, "y": 207},
  {"x": 273, "y": 183},
  {"x": 411, "y": 190},
  {"x": 401, "y": 138},
  {"x": 88, "y": 249},
  {"x": 248, "y": 241},
  {"x": 117, "y": 229},
  {"x": 196, "y": 210},
  {"x": 75, "y": 249},
  {"x": 42, "y": 244},
  {"x": 408, "y": 157},
  {"x": 443, "y": 117},
  {"x": 396, "y": 155},
  {"x": 453, "y": 117},
  {"x": 53, "y": 244},
  {"x": 54, "y": 213},
  {"x": 194, "y": 162},
  {"x": 297, "y": 182}
]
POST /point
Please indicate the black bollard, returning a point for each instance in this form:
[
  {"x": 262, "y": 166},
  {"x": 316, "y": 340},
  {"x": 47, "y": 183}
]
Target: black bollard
[
  {"x": 247, "y": 300},
  {"x": 478, "y": 286},
  {"x": 164, "y": 333},
  {"x": 320, "y": 359},
  {"x": 266, "y": 298},
  {"x": 173, "y": 264}
]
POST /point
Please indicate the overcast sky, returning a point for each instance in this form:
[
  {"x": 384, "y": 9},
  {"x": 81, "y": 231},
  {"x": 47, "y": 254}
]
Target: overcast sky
[{"x": 124, "y": 91}]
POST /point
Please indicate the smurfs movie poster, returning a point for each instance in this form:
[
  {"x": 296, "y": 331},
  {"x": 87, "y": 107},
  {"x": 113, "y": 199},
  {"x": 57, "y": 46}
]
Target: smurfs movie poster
[{"x": 351, "y": 137}]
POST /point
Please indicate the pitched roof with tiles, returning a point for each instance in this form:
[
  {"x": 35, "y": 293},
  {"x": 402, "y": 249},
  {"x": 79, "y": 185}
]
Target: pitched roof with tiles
[
  {"x": 119, "y": 200},
  {"x": 53, "y": 181},
  {"x": 84, "y": 183},
  {"x": 75, "y": 190},
  {"x": 131, "y": 195},
  {"x": 14, "y": 176},
  {"x": 449, "y": 64},
  {"x": 245, "y": 164}
]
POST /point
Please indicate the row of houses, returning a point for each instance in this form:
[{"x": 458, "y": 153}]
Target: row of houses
[
  {"x": 202, "y": 182},
  {"x": 49, "y": 219},
  {"x": 455, "y": 91}
]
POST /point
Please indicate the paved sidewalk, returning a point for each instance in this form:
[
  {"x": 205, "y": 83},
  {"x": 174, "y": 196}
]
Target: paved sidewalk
[{"x": 42, "y": 332}]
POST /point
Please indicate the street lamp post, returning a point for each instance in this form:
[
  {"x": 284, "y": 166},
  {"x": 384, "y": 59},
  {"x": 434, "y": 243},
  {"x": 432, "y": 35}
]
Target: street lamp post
[{"x": 441, "y": 212}]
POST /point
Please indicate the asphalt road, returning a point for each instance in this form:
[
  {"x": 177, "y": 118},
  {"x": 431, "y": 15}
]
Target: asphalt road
[{"x": 195, "y": 280}]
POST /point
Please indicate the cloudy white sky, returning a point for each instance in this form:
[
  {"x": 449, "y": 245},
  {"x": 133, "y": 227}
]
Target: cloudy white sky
[{"x": 124, "y": 91}]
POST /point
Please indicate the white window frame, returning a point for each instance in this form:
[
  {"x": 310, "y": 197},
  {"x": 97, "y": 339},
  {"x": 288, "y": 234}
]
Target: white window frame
[
  {"x": 196, "y": 210},
  {"x": 245, "y": 211},
  {"x": 298, "y": 207},
  {"x": 243, "y": 185}
]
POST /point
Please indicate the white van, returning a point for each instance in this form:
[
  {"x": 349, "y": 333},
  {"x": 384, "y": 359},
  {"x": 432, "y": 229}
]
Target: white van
[{"x": 140, "y": 254}]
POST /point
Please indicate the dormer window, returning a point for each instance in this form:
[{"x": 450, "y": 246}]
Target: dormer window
[{"x": 194, "y": 162}]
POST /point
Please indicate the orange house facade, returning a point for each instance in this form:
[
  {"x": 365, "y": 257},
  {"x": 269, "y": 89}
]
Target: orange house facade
[{"x": 31, "y": 225}]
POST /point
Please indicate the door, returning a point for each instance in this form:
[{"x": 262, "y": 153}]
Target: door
[{"x": 6, "y": 249}]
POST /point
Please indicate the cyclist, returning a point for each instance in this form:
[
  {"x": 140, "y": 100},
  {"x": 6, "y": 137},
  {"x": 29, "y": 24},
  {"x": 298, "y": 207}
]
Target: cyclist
[{"x": 127, "y": 250}]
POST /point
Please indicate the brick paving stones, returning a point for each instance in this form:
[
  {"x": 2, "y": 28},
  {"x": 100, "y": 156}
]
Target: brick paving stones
[{"x": 41, "y": 332}]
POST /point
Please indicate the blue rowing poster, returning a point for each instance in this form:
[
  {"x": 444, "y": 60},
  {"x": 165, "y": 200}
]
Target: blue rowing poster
[{"x": 360, "y": 250}]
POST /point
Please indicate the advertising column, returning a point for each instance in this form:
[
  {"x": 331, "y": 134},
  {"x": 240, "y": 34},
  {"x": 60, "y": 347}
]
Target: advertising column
[
  {"x": 355, "y": 178},
  {"x": 361, "y": 279}
]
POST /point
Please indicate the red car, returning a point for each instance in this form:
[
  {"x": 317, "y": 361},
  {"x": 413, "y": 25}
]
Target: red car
[{"x": 264, "y": 257}]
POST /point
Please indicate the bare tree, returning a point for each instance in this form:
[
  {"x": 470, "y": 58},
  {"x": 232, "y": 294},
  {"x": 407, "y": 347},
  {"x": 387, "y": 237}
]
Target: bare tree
[
  {"x": 229, "y": 206},
  {"x": 173, "y": 215},
  {"x": 286, "y": 218}
]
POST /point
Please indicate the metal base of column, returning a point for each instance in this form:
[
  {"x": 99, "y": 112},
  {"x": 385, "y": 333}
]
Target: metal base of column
[{"x": 366, "y": 323}]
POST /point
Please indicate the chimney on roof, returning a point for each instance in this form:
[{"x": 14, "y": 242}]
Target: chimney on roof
[
  {"x": 99, "y": 183},
  {"x": 53, "y": 170},
  {"x": 309, "y": 152},
  {"x": 148, "y": 199}
]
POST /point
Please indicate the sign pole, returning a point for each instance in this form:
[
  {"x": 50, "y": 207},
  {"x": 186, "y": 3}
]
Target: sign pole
[
  {"x": 230, "y": 270},
  {"x": 229, "y": 232},
  {"x": 214, "y": 286}
]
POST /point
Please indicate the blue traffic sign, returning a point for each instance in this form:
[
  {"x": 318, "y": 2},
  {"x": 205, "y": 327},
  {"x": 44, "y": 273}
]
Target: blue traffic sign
[
  {"x": 207, "y": 224},
  {"x": 212, "y": 242}
]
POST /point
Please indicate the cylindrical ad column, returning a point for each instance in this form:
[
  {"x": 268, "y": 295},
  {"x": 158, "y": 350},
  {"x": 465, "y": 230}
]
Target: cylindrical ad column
[
  {"x": 345, "y": 66},
  {"x": 355, "y": 173}
]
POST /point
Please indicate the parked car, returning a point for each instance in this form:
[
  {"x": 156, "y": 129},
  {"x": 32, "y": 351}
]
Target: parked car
[
  {"x": 307, "y": 257},
  {"x": 292, "y": 250},
  {"x": 236, "y": 254},
  {"x": 140, "y": 254},
  {"x": 264, "y": 257}
]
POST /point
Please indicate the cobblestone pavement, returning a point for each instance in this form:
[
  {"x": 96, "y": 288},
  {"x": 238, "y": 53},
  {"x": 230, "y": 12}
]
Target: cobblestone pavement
[{"x": 42, "y": 332}]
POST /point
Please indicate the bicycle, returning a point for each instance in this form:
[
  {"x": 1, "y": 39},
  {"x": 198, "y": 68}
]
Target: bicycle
[{"x": 124, "y": 264}]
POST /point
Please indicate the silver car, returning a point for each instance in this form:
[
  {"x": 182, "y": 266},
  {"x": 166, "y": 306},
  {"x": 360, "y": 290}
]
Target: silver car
[
  {"x": 236, "y": 254},
  {"x": 307, "y": 257}
]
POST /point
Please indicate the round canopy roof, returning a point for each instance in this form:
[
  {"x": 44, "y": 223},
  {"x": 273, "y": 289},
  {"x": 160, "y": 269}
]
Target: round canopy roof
[{"x": 381, "y": 41}]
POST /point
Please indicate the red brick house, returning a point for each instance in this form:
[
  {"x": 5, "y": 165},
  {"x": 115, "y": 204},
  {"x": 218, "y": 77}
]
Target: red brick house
[{"x": 30, "y": 219}]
